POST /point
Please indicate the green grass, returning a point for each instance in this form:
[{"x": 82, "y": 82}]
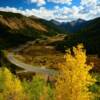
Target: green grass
[{"x": 96, "y": 87}]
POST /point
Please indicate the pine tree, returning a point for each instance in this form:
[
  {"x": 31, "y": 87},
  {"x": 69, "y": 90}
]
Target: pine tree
[{"x": 74, "y": 78}]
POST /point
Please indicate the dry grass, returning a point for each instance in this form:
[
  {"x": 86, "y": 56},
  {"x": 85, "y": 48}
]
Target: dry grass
[
  {"x": 16, "y": 24},
  {"x": 41, "y": 56},
  {"x": 49, "y": 57},
  {"x": 41, "y": 53}
]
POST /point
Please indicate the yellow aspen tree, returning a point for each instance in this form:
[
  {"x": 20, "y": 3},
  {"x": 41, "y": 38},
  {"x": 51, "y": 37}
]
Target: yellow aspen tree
[
  {"x": 12, "y": 89},
  {"x": 74, "y": 78}
]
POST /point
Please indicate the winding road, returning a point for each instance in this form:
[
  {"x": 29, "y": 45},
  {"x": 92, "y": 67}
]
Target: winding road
[{"x": 30, "y": 68}]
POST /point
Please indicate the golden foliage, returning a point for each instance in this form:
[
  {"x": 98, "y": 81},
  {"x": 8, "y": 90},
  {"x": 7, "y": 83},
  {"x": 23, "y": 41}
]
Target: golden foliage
[
  {"x": 74, "y": 77},
  {"x": 12, "y": 88}
]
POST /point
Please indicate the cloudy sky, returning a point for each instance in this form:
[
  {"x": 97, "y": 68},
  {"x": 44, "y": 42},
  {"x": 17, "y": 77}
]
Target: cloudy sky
[{"x": 61, "y": 10}]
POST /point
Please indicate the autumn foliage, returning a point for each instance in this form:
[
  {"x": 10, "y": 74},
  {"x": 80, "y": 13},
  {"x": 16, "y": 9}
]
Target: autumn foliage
[
  {"x": 74, "y": 79},
  {"x": 10, "y": 86}
]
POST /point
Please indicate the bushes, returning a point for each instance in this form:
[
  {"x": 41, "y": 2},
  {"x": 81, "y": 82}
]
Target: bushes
[
  {"x": 37, "y": 89},
  {"x": 72, "y": 82},
  {"x": 11, "y": 88}
]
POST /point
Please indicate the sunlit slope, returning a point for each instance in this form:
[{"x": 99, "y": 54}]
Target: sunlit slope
[{"x": 16, "y": 28}]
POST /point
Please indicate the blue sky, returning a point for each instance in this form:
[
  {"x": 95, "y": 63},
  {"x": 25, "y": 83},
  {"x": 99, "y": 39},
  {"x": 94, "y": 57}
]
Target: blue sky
[
  {"x": 28, "y": 4},
  {"x": 61, "y": 10}
]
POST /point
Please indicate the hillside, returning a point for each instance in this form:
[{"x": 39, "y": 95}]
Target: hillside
[
  {"x": 89, "y": 35},
  {"x": 16, "y": 28}
]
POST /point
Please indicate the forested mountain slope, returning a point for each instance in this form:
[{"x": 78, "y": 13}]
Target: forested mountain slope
[{"x": 16, "y": 28}]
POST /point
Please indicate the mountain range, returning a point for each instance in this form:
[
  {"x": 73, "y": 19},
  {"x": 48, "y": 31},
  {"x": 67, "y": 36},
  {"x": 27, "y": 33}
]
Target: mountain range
[
  {"x": 88, "y": 33},
  {"x": 16, "y": 29},
  {"x": 73, "y": 26}
]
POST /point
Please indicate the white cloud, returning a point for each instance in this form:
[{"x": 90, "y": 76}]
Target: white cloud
[
  {"x": 90, "y": 8},
  {"x": 61, "y": 1},
  {"x": 42, "y": 12},
  {"x": 59, "y": 13},
  {"x": 38, "y": 2},
  {"x": 43, "y": 2},
  {"x": 10, "y": 9},
  {"x": 89, "y": 2}
]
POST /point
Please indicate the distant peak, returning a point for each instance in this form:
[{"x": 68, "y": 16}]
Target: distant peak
[
  {"x": 55, "y": 22},
  {"x": 80, "y": 20}
]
